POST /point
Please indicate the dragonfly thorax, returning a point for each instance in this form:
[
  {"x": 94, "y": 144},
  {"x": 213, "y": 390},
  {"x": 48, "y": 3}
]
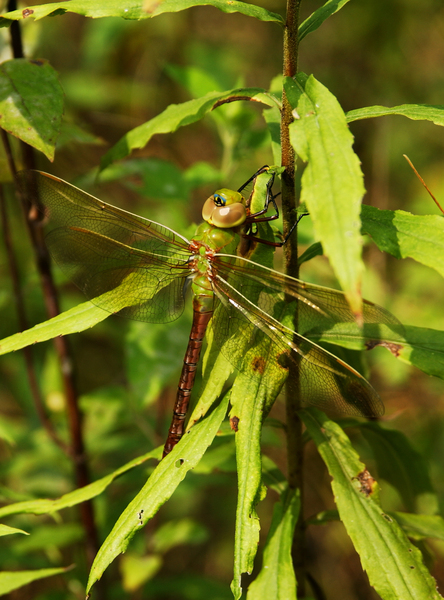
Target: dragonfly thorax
[{"x": 214, "y": 239}]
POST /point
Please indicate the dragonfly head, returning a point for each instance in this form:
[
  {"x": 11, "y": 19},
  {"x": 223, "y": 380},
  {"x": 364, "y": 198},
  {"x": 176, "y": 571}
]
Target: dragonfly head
[{"x": 225, "y": 209}]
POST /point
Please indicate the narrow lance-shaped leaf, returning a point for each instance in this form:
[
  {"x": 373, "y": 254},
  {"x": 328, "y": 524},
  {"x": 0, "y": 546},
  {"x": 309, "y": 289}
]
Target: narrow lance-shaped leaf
[
  {"x": 251, "y": 400},
  {"x": 277, "y": 579},
  {"x": 332, "y": 182},
  {"x": 13, "y": 580},
  {"x": 248, "y": 401},
  {"x": 45, "y": 506},
  {"x": 178, "y": 115},
  {"x": 135, "y": 9},
  {"x": 394, "y": 566},
  {"x": 316, "y": 19},
  {"x": 6, "y": 530},
  {"x": 158, "y": 489},
  {"x": 421, "y": 526},
  {"x": 76, "y": 319},
  {"x": 254, "y": 392},
  {"x": 416, "y": 112}
]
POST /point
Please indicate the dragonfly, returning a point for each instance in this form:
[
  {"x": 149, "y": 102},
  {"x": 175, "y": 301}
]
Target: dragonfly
[{"x": 103, "y": 249}]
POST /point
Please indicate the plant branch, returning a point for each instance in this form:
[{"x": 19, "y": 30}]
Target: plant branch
[
  {"x": 294, "y": 424},
  {"x": 74, "y": 416},
  {"x": 23, "y": 323}
]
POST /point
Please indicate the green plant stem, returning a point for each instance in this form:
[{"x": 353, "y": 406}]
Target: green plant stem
[{"x": 294, "y": 424}]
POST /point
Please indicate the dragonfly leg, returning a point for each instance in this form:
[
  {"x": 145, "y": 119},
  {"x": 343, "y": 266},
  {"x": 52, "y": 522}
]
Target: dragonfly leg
[
  {"x": 258, "y": 172},
  {"x": 275, "y": 244},
  {"x": 258, "y": 218}
]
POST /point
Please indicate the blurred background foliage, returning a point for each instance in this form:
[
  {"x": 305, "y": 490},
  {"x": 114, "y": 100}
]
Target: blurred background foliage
[{"x": 116, "y": 75}]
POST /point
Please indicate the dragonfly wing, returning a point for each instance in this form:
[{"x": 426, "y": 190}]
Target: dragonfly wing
[
  {"x": 252, "y": 318},
  {"x": 319, "y": 308},
  {"x": 105, "y": 250},
  {"x": 66, "y": 205}
]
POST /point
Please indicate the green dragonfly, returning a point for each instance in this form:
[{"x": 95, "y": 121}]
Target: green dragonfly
[{"x": 103, "y": 249}]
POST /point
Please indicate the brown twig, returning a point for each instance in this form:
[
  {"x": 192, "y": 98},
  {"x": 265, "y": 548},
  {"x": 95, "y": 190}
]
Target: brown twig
[
  {"x": 423, "y": 183},
  {"x": 294, "y": 423},
  {"x": 23, "y": 325},
  {"x": 74, "y": 417}
]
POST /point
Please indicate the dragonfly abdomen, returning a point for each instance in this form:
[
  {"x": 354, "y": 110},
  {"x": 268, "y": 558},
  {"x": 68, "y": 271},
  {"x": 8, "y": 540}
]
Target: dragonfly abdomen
[{"x": 202, "y": 313}]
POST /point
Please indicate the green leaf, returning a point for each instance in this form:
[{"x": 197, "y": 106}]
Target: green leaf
[
  {"x": 418, "y": 346},
  {"x": 400, "y": 464},
  {"x": 60, "y": 535},
  {"x": 176, "y": 533},
  {"x": 404, "y": 235},
  {"x": 332, "y": 182},
  {"x": 76, "y": 319},
  {"x": 415, "y": 526},
  {"x": 248, "y": 408},
  {"x": 6, "y": 530},
  {"x": 158, "y": 489},
  {"x": 273, "y": 476},
  {"x": 71, "y": 133},
  {"x": 417, "y": 112},
  {"x": 272, "y": 116},
  {"x": 135, "y": 9},
  {"x": 154, "y": 356},
  {"x": 251, "y": 400},
  {"x": 216, "y": 370},
  {"x": 421, "y": 526},
  {"x": 178, "y": 115},
  {"x": 31, "y": 104},
  {"x": 131, "y": 9},
  {"x": 137, "y": 570},
  {"x": 12, "y": 580},
  {"x": 154, "y": 8},
  {"x": 394, "y": 565},
  {"x": 45, "y": 506},
  {"x": 277, "y": 579},
  {"x": 311, "y": 252},
  {"x": 316, "y": 19},
  {"x": 423, "y": 348}
]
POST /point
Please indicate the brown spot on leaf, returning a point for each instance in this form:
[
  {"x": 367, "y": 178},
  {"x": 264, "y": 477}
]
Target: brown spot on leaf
[
  {"x": 26, "y": 12},
  {"x": 395, "y": 349},
  {"x": 38, "y": 61},
  {"x": 258, "y": 365},
  {"x": 233, "y": 99},
  {"x": 367, "y": 482},
  {"x": 234, "y": 423}
]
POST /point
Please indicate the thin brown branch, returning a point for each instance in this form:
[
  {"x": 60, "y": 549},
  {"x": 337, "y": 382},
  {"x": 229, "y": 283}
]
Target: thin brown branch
[
  {"x": 293, "y": 422},
  {"x": 23, "y": 325},
  {"x": 74, "y": 416},
  {"x": 424, "y": 183}
]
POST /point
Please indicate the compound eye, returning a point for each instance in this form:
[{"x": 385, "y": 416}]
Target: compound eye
[
  {"x": 219, "y": 200},
  {"x": 226, "y": 217}
]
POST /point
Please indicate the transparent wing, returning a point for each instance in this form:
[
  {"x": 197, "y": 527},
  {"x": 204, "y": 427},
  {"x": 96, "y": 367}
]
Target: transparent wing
[
  {"x": 319, "y": 308},
  {"x": 102, "y": 248},
  {"x": 253, "y": 313}
]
